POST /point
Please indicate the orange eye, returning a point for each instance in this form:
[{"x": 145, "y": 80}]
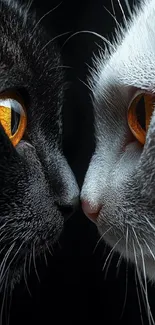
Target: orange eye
[
  {"x": 139, "y": 115},
  {"x": 12, "y": 116}
]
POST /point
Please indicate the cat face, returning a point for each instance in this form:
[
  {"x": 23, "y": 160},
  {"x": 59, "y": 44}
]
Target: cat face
[
  {"x": 118, "y": 193},
  {"x": 37, "y": 188}
]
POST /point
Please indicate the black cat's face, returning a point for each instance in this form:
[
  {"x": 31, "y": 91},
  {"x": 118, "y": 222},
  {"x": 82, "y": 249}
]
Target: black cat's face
[{"x": 37, "y": 187}]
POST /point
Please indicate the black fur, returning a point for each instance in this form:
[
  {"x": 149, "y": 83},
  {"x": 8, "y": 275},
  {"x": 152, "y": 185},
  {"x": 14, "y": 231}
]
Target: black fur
[{"x": 37, "y": 187}]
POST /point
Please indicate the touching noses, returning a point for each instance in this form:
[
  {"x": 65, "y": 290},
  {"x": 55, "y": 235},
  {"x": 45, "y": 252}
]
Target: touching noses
[{"x": 90, "y": 211}]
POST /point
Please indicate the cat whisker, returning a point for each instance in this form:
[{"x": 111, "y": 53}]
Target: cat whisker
[
  {"x": 118, "y": 265},
  {"x": 91, "y": 33},
  {"x": 34, "y": 262},
  {"x": 113, "y": 8},
  {"x": 4, "y": 299},
  {"x": 84, "y": 83},
  {"x": 103, "y": 51},
  {"x": 128, "y": 7},
  {"x": 25, "y": 276},
  {"x": 2, "y": 276},
  {"x": 45, "y": 257},
  {"x": 101, "y": 238},
  {"x": 126, "y": 278},
  {"x": 29, "y": 4},
  {"x": 149, "y": 313},
  {"x": 52, "y": 40},
  {"x": 150, "y": 250},
  {"x": 139, "y": 277},
  {"x": 112, "y": 249},
  {"x": 138, "y": 297},
  {"x": 30, "y": 259},
  {"x": 90, "y": 68},
  {"x": 108, "y": 265},
  {"x": 149, "y": 222},
  {"x": 123, "y": 13},
  {"x": 4, "y": 261},
  {"x": 45, "y": 15},
  {"x": 114, "y": 17},
  {"x": 49, "y": 250}
]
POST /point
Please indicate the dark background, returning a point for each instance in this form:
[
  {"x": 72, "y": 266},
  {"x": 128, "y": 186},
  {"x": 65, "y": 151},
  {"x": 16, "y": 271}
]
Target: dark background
[{"x": 73, "y": 287}]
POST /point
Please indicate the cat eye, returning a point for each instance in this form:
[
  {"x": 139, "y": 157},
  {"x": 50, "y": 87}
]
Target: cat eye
[
  {"x": 139, "y": 115},
  {"x": 12, "y": 116}
]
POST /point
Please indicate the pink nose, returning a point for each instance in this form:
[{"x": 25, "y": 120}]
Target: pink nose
[{"x": 91, "y": 212}]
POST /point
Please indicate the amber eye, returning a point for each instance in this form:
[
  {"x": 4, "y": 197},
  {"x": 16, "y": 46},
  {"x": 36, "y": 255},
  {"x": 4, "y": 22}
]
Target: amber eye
[
  {"x": 12, "y": 116},
  {"x": 139, "y": 115}
]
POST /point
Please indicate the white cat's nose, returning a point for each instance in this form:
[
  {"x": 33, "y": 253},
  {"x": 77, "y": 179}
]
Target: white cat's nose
[{"x": 90, "y": 211}]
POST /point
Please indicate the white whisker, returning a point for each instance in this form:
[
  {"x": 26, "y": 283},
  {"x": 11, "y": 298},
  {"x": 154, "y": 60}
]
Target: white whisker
[
  {"x": 14, "y": 256},
  {"x": 45, "y": 258},
  {"x": 113, "y": 248},
  {"x": 25, "y": 276},
  {"x": 114, "y": 17},
  {"x": 149, "y": 249},
  {"x": 90, "y": 32},
  {"x": 138, "y": 296},
  {"x": 121, "y": 8},
  {"x": 149, "y": 313},
  {"x": 118, "y": 265},
  {"x": 34, "y": 262},
  {"x": 46, "y": 14},
  {"x": 113, "y": 9},
  {"x": 52, "y": 40},
  {"x": 4, "y": 299},
  {"x": 128, "y": 7},
  {"x": 126, "y": 285},
  {"x": 4, "y": 261},
  {"x": 149, "y": 222},
  {"x": 84, "y": 83},
  {"x": 108, "y": 265},
  {"x": 101, "y": 238},
  {"x": 49, "y": 250}
]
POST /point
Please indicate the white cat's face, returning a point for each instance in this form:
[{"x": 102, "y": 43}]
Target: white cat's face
[{"x": 118, "y": 193}]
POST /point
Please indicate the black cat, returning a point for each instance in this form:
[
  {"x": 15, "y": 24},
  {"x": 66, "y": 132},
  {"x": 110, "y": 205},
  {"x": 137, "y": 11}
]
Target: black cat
[{"x": 37, "y": 187}]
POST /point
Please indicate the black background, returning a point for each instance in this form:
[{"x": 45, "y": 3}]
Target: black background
[{"x": 73, "y": 287}]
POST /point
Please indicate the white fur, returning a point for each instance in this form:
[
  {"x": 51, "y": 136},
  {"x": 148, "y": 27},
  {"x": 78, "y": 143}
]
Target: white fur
[{"x": 121, "y": 175}]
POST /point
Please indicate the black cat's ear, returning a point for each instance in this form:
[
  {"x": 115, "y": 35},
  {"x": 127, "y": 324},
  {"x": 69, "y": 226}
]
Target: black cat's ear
[{"x": 7, "y": 150}]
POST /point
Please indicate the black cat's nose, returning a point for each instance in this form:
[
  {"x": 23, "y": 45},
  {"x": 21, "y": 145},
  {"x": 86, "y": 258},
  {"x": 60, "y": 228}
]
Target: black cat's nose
[{"x": 68, "y": 209}]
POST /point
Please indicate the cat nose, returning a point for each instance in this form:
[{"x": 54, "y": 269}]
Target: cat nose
[
  {"x": 67, "y": 210},
  {"x": 90, "y": 211}
]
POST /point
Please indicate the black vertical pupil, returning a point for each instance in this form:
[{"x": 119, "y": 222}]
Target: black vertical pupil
[
  {"x": 140, "y": 113},
  {"x": 15, "y": 119}
]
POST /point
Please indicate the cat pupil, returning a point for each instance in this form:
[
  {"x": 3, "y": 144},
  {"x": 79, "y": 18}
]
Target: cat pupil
[
  {"x": 15, "y": 119},
  {"x": 140, "y": 113}
]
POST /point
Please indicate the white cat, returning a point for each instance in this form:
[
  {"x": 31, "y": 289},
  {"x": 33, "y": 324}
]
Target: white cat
[{"x": 118, "y": 193}]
